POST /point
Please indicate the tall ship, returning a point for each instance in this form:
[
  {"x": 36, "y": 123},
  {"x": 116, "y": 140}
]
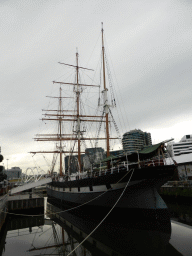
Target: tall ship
[{"x": 122, "y": 186}]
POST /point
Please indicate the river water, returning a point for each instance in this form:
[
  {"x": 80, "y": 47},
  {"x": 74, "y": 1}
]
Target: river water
[{"x": 41, "y": 235}]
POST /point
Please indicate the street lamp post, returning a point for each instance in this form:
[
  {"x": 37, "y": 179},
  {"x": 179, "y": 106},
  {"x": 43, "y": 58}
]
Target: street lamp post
[{"x": 7, "y": 163}]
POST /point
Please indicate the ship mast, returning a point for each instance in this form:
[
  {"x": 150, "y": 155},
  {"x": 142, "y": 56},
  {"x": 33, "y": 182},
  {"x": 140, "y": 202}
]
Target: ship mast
[
  {"x": 61, "y": 117},
  {"x": 106, "y": 106},
  {"x": 78, "y": 118},
  {"x": 60, "y": 134}
]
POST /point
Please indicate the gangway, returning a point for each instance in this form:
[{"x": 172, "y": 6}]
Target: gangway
[{"x": 30, "y": 185}]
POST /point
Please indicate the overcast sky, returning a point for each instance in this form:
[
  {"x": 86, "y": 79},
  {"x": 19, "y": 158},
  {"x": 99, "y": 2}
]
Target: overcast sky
[{"x": 150, "y": 49}]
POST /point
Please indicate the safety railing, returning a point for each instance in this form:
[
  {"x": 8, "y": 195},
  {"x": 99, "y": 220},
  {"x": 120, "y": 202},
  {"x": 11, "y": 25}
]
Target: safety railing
[{"x": 116, "y": 168}]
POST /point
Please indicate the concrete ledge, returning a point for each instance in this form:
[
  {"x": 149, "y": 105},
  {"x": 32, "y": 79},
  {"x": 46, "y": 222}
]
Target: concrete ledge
[{"x": 21, "y": 202}]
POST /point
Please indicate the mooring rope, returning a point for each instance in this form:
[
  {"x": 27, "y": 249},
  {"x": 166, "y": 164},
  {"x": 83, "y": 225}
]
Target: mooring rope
[
  {"x": 103, "y": 218},
  {"x": 28, "y": 215}
]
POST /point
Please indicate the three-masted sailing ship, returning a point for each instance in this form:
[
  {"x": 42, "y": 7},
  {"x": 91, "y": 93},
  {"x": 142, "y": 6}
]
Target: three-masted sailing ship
[{"x": 128, "y": 183}]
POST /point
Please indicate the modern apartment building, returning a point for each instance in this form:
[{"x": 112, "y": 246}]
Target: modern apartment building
[
  {"x": 135, "y": 140},
  {"x": 184, "y": 146}
]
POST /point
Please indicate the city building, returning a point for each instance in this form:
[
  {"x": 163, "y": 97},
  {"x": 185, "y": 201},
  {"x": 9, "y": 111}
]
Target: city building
[
  {"x": 184, "y": 146},
  {"x": 184, "y": 166},
  {"x": 71, "y": 163},
  {"x": 135, "y": 140},
  {"x": 181, "y": 152},
  {"x": 13, "y": 173},
  {"x": 91, "y": 156}
]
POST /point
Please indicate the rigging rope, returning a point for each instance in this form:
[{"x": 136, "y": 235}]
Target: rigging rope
[
  {"x": 96, "y": 142},
  {"x": 110, "y": 82},
  {"x": 116, "y": 127},
  {"x": 120, "y": 102}
]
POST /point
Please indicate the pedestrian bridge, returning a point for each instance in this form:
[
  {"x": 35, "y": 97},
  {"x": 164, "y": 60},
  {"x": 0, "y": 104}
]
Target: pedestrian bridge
[{"x": 30, "y": 185}]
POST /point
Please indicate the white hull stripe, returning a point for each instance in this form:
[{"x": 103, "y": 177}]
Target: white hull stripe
[{"x": 99, "y": 188}]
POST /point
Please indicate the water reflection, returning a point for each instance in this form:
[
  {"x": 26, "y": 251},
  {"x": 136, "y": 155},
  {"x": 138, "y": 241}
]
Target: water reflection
[
  {"x": 65, "y": 231},
  {"x": 17, "y": 234},
  {"x": 180, "y": 209},
  {"x": 110, "y": 238},
  {"x": 181, "y": 238}
]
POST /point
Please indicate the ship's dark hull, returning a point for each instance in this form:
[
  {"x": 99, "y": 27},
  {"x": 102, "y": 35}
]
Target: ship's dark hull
[
  {"x": 100, "y": 194},
  {"x": 154, "y": 175},
  {"x": 140, "y": 206}
]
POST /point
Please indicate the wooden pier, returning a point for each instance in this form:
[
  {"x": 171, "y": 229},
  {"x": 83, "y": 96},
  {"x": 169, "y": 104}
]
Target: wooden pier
[{"x": 25, "y": 202}]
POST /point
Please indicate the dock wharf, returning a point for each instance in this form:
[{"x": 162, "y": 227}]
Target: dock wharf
[
  {"x": 177, "y": 191},
  {"x": 19, "y": 202},
  {"x": 24, "y": 202}
]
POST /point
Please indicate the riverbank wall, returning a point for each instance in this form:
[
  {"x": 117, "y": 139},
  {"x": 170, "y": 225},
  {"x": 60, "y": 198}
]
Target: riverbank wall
[
  {"x": 27, "y": 201},
  {"x": 20, "y": 203},
  {"x": 177, "y": 192}
]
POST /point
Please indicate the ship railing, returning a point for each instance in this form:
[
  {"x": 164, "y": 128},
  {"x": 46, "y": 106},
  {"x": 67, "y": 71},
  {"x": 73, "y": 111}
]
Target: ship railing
[
  {"x": 122, "y": 166},
  {"x": 126, "y": 166},
  {"x": 156, "y": 161},
  {"x": 153, "y": 162},
  {"x": 93, "y": 173}
]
